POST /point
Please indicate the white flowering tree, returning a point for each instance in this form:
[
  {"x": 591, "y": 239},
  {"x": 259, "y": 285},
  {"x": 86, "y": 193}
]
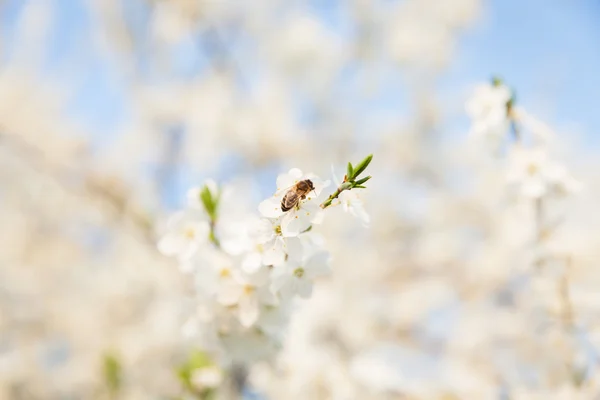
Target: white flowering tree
[
  {"x": 159, "y": 240},
  {"x": 248, "y": 270}
]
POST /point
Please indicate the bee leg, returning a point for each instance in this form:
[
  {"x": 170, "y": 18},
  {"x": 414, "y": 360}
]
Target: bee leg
[{"x": 303, "y": 197}]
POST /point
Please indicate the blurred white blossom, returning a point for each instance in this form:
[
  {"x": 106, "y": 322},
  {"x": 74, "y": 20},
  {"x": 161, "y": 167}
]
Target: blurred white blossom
[
  {"x": 488, "y": 110},
  {"x": 296, "y": 278},
  {"x": 110, "y": 109},
  {"x": 533, "y": 175},
  {"x": 352, "y": 203},
  {"x": 187, "y": 232},
  {"x": 208, "y": 377}
]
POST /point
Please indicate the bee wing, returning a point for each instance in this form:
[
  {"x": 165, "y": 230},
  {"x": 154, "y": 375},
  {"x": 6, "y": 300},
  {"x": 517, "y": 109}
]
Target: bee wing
[
  {"x": 285, "y": 190},
  {"x": 289, "y": 201}
]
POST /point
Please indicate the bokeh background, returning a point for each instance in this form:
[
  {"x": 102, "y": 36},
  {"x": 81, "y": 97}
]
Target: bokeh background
[{"x": 111, "y": 109}]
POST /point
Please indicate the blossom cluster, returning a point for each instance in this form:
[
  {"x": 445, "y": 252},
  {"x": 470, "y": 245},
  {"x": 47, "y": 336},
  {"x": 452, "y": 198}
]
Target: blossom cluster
[
  {"x": 248, "y": 270},
  {"x": 440, "y": 300},
  {"x": 531, "y": 172},
  {"x": 538, "y": 183},
  {"x": 488, "y": 108}
]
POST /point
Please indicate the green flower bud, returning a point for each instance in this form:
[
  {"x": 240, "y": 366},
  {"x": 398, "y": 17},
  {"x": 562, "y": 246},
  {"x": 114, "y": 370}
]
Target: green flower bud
[
  {"x": 362, "y": 166},
  {"x": 349, "y": 171},
  {"x": 363, "y": 180}
]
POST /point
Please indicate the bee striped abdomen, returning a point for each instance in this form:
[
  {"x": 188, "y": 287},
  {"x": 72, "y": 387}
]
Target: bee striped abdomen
[
  {"x": 296, "y": 193},
  {"x": 289, "y": 201}
]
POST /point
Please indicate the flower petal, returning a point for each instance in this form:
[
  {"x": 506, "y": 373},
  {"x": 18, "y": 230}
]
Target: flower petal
[
  {"x": 212, "y": 187},
  {"x": 351, "y": 203},
  {"x": 312, "y": 211},
  {"x": 230, "y": 293},
  {"x": 285, "y": 181},
  {"x": 274, "y": 253},
  {"x": 279, "y": 278},
  {"x": 258, "y": 279},
  {"x": 361, "y": 214},
  {"x": 293, "y": 248},
  {"x": 303, "y": 287},
  {"x": 267, "y": 297},
  {"x": 171, "y": 244},
  {"x": 317, "y": 265},
  {"x": 271, "y": 207},
  {"x": 252, "y": 263},
  {"x": 346, "y": 199},
  {"x": 295, "y": 222},
  {"x": 187, "y": 266},
  {"x": 533, "y": 188},
  {"x": 263, "y": 230},
  {"x": 190, "y": 328},
  {"x": 319, "y": 185},
  {"x": 193, "y": 197},
  {"x": 248, "y": 310}
]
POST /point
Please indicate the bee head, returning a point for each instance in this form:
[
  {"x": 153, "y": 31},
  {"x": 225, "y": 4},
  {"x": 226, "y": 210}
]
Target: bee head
[{"x": 310, "y": 184}]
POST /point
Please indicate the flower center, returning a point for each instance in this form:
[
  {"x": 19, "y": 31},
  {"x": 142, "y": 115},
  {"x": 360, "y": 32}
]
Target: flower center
[
  {"x": 224, "y": 273},
  {"x": 532, "y": 169},
  {"x": 190, "y": 233},
  {"x": 248, "y": 289},
  {"x": 299, "y": 272},
  {"x": 277, "y": 229}
]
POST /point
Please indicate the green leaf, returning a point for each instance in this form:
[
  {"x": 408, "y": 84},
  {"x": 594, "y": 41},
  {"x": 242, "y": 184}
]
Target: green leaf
[
  {"x": 363, "y": 180},
  {"x": 184, "y": 373},
  {"x": 209, "y": 201},
  {"x": 213, "y": 237},
  {"x": 112, "y": 371},
  {"x": 512, "y": 101},
  {"x": 349, "y": 171},
  {"x": 578, "y": 377},
  {"x": 307, "y": 229},
  {"x": 197, "y": 359},
  {"x": 362, "y": 165}
]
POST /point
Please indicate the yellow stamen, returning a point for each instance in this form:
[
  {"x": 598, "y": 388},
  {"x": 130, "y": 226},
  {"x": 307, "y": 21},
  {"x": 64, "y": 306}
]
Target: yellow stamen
[
  {"x": 190, "y": 233},
  {"x": 225, "y": 272},
  {"x": 532, "y": 169}
]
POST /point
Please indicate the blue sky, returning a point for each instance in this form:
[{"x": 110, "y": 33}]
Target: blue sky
[{"x": 548, "y": 49}]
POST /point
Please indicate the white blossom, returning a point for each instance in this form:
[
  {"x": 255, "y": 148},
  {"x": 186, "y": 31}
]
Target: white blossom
[
  {"x": 296, "y": 278},
  {"x": 453, "y": 293},
  {"x": 272, "y": 247},
  {"x": 212, "y": 268},
  {"x": 207, "y": 377},
  {"x": 352, "y": 203},
  {"x": 300, "y": 218},
  {"x": 488, "y": 110},
  {"x": 248, "y": 293},
  {"x": 186, "y": 232},
  {"x": 532, "y": 174},
  {"x": 244, "y": 292},
  {"x": 193, "y": 194}
]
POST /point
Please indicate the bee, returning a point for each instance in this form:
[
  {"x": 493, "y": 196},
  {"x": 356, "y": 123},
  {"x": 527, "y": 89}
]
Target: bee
[{"x": 296, "y": 193}]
